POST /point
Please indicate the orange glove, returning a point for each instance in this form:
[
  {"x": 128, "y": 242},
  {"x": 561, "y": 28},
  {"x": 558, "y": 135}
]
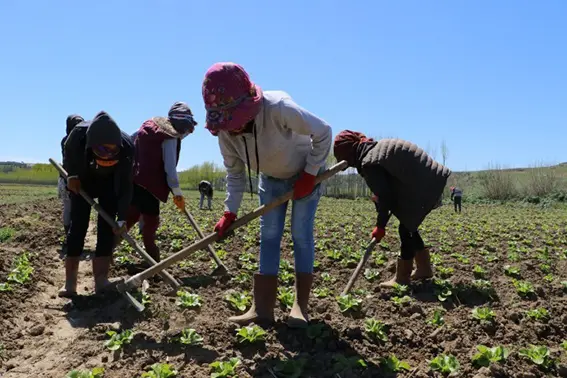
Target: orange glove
[
  {"x": 304, "y": 185},
  {"x": 74, "y": 184},
  {"x": 179, "y": 201},
  {"x": 224, "y": 223},
  {"x": 378, "y": 233}
]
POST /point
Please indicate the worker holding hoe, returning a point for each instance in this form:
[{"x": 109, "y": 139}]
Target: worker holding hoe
[
  {"x": 407, "y": 183},
  {"x": 63, "y": 194},
  {"x": 98, "y": 159},
  {"x": 289, "y": 147},
  {"x": 158, "y": 146}
]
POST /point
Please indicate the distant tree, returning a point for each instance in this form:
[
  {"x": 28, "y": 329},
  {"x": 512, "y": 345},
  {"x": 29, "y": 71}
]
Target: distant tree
[{"x": 444, "y": 151}]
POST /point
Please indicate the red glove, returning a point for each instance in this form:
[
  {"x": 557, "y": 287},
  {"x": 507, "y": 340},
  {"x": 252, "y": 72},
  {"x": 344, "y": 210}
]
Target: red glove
[
  {"x": 378, "y": 233},
  {"x": 304, "y": 185},
  {"x": 224, "y": 223}
]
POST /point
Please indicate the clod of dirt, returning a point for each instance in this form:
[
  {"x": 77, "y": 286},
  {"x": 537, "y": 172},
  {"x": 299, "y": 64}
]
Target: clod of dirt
[
  {"x": 562, "y": 370},
  {"x": 515, "y": 317},
  {"x": 564, "y": 319},
  {"x": 497, "y": 370},
  {"x": 526, "y": 375},
  {"x": 37, "y": 330},
  {"x": 483, "y": 373}
]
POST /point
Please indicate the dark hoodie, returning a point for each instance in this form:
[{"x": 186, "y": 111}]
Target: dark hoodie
[
  {"x": 72, "y": 121},
  {"x": 79, "y": 160}
]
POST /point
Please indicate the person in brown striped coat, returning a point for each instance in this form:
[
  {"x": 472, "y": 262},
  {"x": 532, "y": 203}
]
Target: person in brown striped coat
[{"x": 407, "y": 184}]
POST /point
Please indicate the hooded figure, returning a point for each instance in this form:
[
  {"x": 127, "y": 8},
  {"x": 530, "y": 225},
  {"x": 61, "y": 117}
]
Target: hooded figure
[
  {"x": 72, "y": 121},
  {"x": 158, "y": 145},
  {"x": 287, "y": 147},
  {"x": 99, "y": 159},
  {"x": 407, "y": 183}
]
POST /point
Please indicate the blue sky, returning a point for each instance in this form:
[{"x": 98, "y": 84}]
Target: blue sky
[{"x": 488, "y": 77}]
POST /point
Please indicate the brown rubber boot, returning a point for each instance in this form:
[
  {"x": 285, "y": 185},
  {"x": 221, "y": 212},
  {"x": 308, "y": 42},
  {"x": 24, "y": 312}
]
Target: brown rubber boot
[
  {"x": 265, "y": 292},
  {"x": 298, "y": 317},
  {"x": 403, "y": 273},
  {"x": 101, "y": 266},
  {"x": 69, "y": 290},
  {"x": 423, "y": 268}
]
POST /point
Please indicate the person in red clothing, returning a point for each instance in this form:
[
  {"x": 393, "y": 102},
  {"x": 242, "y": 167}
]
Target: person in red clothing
[{"x": 158, "y": 145}]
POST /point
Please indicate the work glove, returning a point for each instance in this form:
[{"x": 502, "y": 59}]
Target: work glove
[
  {"x": 304, "y": 185},
  {"x": 179, "y": 201},
  {"x": 74, "y": 184},
  {"x": 120, "y": 229},
  {"x": 224, "y": 223},
  {"x": 378, "y": 233}
]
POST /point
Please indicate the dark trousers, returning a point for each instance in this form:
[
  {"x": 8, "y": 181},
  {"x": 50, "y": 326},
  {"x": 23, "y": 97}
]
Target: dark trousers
[
  {"x": 80, "y": 217},
  {"x": 144, "y": 203},
  {"x": 411, "y": 243},
  {"x": 457, "y": 202}
]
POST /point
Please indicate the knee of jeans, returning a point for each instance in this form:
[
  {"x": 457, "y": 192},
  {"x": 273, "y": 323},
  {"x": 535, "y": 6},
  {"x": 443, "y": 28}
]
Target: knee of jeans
[{"x": 270, "y": 230}]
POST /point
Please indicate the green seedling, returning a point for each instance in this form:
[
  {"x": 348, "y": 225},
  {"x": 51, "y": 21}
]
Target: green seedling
[
  {"x": 349, "y": 302},
  {"x": 564, "y": 284},
  {"x": 564, "y": 345},
  {"x": 445, "y": 272},
  {"x": 334, "y": 254},
  {"x": 437, "y": 318},
  {"x": 539, "y": 314},
  {"x": 22, "y": 271},
  {"x": 460, "y": 258},
  {"x": 393, "y": 364},
  {"x": 376, "y": 329},
  {"x": 491, "y": 258},
  {"x": 371, "y": 274},
  {"x": 118, "y": 340},
  {"x": 380, "y": 259},
  {"x": 479, "y": 272},
  {"x": 188, "y": 300},
  {"x": 290, "y": 368},
  {"x": 242, "y": 277},
  {"x": 445, "y": 364},
  {"x": 184, "y": 264},
  {"x": 487, "y": 356},
  {"x": 539, "y": 355},
  {"x": 95, "y": 373},
  {"x": 286, "y": 266},
  {"x": 250, "y": 334},
  {"x": 512, "y": 271},
  {"x": 361, "y": 292},
  {"x": 224, "y": 369},
  {"x": 286, "y": 296},
  {"x": 239, "y": 301},
  {"x": 322, "y": 292},
  {"x": 400, "y": 290},
  {"x": 545, "y": 268},
  {"x": 287, "y": 277},
  {"x": 5, "y": 287},
  {"x": 342, "y": 363},
  {"x": 548, "y": 277},
  {"x": 246, "y": 257},
  {"x": 524, "y": 288},
  {"x": 400, "y": 301},
  {"x": 160, "y": 371},
  {"x": 317, "y": 332},
  {"x": 327, "y": 278},
  {"x": 190, "y": 337},
  {"x": 6, "y": 234},
  {"x": 484, "y": 314}
]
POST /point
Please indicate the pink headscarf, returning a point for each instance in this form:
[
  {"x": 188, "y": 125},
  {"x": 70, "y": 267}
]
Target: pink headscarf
[
  {"x": 231, "y": 98},
  {"x": 346, "y": 145}
]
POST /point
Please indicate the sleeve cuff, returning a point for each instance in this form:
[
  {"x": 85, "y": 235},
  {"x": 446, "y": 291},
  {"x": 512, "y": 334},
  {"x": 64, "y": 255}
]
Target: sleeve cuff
[
  {"x": 312, "y": 169},
  {"x": 176, "y": 191}
]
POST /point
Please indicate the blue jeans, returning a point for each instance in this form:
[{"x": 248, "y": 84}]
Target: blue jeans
[{"x": 272, "y": 226}]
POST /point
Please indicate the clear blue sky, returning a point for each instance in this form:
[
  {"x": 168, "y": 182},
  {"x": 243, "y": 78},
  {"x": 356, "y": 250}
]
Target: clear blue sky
[{"x": 488, "y": 77}]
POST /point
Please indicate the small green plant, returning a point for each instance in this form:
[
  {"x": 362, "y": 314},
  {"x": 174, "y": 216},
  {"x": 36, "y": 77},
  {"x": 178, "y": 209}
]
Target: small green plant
[
  {"x": 564, "y": 345},
  {"x": 286, "y": 296},
  {"x": 327, "y": 278},
  {"x": 159, "y": 370},
  {"x": 349, "y": 302},
  {"x": 190, "y": 337},
  {"x": 548, "y": 277},
  {"x": 322, "y": 292},
  {"x": 539, "y": 314},
  {"x": 539, "y": 355},
  {"x": 376, "y": 329},
  {"x": 486, "y": 355},
  {"x": 400, "y": 290},
  {"x": 443, "y": 289},
  {"x": 5, "y": 287},
  {"x": 371, "y": 274},
  {"x": 400, "y": 301},
  {"x": 437, "y": 318},
  {"x": 224, "y": 369},
  {"x": 246, "y": 257},
  {"x": 186, "y": 299},
  {"x": 22, "y": 271},
  {"x": 479, "y": 272},
  {"x": 118, "y": 340},
  {"x": 334, "y": 254},
  {"x": 484, "y": 314},
  {"x": 286, "y": 266},
  {"x": 380, "y": 259},
  {"x": 512, "y": 271},
  {"x": 316, "y": 331},
  {"x": 94, "y": 373},
  {"x": 6, "y": 234},
  {"x": 242, "y": 277},
  {"x": 287, "y": 277},
  {"x": 393, "y": 364},
  {"x": 445, "y": 272},
  {"x": 250, "y": 334},
  {"x": 445, "y": 364},
  {"x": 238, "y": 301},
  {"x": 524, "y": 288},
  {"x": 289, "y": 368}
]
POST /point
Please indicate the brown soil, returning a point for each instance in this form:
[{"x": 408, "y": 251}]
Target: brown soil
[{"x": 45, "y": 336}]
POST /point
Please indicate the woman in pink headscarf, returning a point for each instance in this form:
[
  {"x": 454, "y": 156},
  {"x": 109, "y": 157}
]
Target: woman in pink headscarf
[
  {"x": 287, "y": 146},
  {"x": 406, "y": 183}
]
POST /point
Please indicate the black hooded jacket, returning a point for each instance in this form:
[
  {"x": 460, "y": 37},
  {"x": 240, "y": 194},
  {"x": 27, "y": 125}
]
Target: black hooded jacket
[{"x": 79, "y": 160}]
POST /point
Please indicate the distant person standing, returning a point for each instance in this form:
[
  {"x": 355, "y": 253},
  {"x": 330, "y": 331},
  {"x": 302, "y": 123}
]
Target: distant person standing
[
  {"x": 206, "y": 189},
  {"x": 63, "y": 194},
  {"x": 457, "y": 197}
]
